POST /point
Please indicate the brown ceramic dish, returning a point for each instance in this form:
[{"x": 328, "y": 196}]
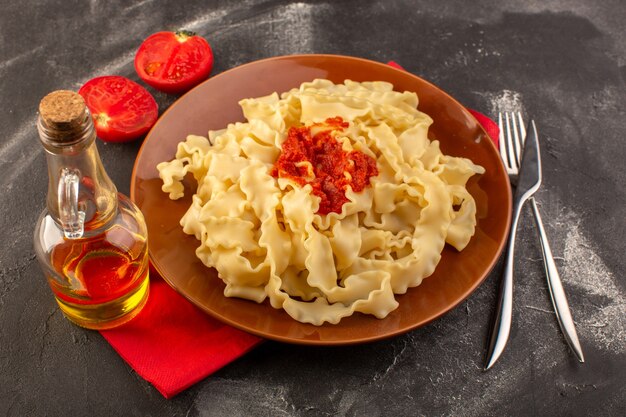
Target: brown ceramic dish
[{"x": 213, "y": 104}]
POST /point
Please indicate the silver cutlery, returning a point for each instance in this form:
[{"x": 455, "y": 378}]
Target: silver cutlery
[
  {"x": 509, "y": 150},
  {"x": 528, "y": 182}
]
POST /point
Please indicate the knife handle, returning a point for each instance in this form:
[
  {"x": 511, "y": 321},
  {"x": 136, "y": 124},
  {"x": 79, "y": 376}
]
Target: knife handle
[
  {"x": 557, "y": 294},
  {"x": 504, "y": 309}
]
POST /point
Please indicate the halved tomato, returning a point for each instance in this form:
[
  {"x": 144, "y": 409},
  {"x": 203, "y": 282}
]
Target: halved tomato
[
  {"x": 174, "y": 62},
  {"x": 122, "y": 110}
]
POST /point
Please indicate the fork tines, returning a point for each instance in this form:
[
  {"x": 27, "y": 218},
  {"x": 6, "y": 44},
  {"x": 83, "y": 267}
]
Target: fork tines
[{"x": 512, "y": 143}]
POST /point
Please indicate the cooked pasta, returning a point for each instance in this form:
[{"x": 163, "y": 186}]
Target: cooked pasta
[{"x": 265, "y": 232}]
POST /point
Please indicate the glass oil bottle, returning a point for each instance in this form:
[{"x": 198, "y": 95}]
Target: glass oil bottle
[{"x": 90, "y": 240}]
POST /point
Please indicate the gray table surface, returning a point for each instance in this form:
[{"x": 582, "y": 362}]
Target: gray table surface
[{"x": 563, "y": 62}]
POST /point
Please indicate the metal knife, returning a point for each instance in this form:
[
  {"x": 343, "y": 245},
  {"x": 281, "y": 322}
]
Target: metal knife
[
  {"x": 528, "y": 183},
  {"x": 557, "y": 293}
]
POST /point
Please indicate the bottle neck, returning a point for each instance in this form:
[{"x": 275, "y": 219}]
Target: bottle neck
[{"x": 81, "y": 196}]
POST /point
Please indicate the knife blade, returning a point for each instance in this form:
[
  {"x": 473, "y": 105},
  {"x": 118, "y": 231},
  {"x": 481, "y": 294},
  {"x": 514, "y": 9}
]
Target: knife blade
[
  {"x": 529, "y": 179},
  {"x": 528, "y": 183}
]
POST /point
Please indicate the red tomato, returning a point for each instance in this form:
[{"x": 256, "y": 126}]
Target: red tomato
[
  {"x": 122, "y": 110},
  {"x": 174, "y": 62}
]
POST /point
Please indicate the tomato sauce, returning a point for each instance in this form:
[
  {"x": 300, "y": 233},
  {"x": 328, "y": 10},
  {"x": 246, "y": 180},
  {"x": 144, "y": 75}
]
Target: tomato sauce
[{"x": 329, "y": 163}]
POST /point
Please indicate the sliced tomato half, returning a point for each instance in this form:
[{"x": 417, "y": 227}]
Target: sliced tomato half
[
  {"x": 174, "y": 62},
  {"x": 122, "y": 110}
]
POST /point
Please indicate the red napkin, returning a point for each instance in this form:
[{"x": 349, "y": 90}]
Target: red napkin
[{"x": 172, "y": 344}]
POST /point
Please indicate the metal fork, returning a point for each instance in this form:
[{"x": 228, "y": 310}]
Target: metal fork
[{"x": 511, "y": 147}]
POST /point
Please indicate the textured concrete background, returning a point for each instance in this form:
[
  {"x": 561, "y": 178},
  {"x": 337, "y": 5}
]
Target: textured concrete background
[{"x": 563, "y": 62}]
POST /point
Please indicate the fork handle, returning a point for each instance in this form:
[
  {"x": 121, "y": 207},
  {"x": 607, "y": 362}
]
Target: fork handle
[
  {"x": 504, "y": 309},
  {"x": 557, "y": 294}
]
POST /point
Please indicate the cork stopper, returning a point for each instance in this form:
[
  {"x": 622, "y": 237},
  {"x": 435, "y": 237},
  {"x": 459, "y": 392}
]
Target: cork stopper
[
  {"x": 62, "y": 108},
  {"x": 63, "y": 112}
]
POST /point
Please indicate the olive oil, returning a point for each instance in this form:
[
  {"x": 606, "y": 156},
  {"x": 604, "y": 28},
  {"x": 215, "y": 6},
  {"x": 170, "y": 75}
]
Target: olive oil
[{"x": 90, "y": 241}]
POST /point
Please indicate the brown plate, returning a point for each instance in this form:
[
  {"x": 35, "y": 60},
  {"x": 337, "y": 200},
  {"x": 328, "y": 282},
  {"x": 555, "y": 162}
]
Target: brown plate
[{"x": 213, "y": 104}]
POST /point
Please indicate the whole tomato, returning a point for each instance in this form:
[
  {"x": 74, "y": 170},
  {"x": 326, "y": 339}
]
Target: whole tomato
[{"x": 174, "y": 62}]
